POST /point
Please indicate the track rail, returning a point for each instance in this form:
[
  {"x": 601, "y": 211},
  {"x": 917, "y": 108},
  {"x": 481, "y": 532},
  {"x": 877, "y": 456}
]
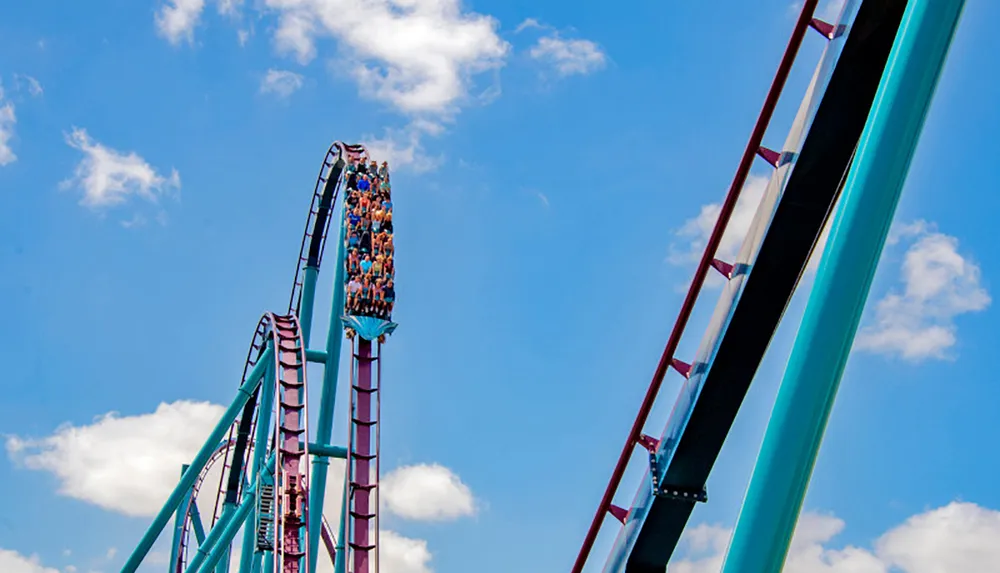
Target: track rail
[
  {"x": 191, "y": 506},
  {"x": 752, "y": 149},
  {"x": 291, "y": 445},
  {"x": 363, "y": 459}
]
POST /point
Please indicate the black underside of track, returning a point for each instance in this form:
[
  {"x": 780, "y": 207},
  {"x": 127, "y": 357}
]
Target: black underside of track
[
  {"x": 323, "y": 213},
  {"x": 810, "y": 193}
]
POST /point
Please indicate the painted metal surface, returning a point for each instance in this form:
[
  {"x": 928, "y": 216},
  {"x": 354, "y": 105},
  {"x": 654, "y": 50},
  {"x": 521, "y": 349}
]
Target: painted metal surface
[
  {"x": 369, "y": 327},
  {"x": 830, "y": 321},
  {"x": 692, "y": 387},
  {"x": 728, "y": 205},
  {"x": 362, "y": 508},
  {"x": 789, "y": 220}
]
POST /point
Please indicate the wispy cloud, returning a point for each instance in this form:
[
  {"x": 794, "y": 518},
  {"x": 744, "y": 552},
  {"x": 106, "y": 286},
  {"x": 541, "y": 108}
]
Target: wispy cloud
[
  {"x": 917, "y": 320},
  {"x": 8, "y": 121},
  {"x": 568, "y": 56},
  {"x": 281, "y": 83},
  {"x": 177, "y": 19},
  {"x": 29, "y": 84},
  {"x": 108, "y": 177}
]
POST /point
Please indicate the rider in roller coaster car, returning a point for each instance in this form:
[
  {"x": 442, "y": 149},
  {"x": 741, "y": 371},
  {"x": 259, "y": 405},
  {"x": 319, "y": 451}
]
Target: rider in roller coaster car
[{"x": 369, "y": 261}]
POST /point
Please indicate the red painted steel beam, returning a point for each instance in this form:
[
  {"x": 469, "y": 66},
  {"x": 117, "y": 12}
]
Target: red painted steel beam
[{"x": 756, "y": 137}]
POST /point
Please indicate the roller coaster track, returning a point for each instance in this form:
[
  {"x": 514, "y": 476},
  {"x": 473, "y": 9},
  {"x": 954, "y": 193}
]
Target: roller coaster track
[
  {"x": 751, "y": 151},
  {"x": 808, "y": 176},
  {"x": 290, "y": 432}
]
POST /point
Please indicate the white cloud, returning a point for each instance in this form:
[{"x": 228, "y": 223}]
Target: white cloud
[
  {"x": 939, "y": 284},
  {"x": 176, "y": 19},
  {"x": 960, "y": 537},
  {"x": 7, "y": 122},
  {"x": 126, "y": 464},
  {"x": 14, "y": 562},
  {"x": 417, "y": 55},
  {"x": 400, "y": 554},
  {"x": 107, "y": 177},
  {"x": 282, "y": 83},
  {"x": 90, "y": 464},
  {"x": 402, "y": 148},
  {"x": 694, "y": 233},
  {"x": 426, "y": 492},
  {"x": 569, "y": 57}
]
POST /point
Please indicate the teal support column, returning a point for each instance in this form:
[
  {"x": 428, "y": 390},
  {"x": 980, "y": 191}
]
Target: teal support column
[
  {"x": 264, "y": 411},
  {"x": 327, "y": 403},
  {"x": 340, "y": 560},
  {"x": 792, "y": 440},
  {"x": 268, "y": 562},
  {"x": 197, "y": 464},
  {"x": 307, "y": 302},
  {"x": 175, "y": 544},
  {"x": 258, "y": 556},
  {"x": 227, "y": 552},
  {"x": 197, "y": 525}
]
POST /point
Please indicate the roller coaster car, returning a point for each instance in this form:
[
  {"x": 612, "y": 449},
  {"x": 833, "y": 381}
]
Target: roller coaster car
[{"x": 368, "y": 234}]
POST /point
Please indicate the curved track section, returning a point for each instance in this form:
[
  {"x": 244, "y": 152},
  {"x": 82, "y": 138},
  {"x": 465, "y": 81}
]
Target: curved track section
[
  {"x": 236, "y": 450},
  {"x": 190, "y": 509},
  {"x": 318, "y": 222}
]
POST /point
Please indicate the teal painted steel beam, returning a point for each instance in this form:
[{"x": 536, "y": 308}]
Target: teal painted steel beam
[
  {"x": 307, "y": 301},
  {"x": 317, "y": 356},
  {"x": 327, "y": 401},
  {"x": 175, "y": 544},
  {"x": 197, "y": 524},
  {"x": 339, "y": 452},
  {"x": 197, "y": 464},
  {"x": 226, "y": 555},
  {"x": 257, "y": 460},
  {"x": 808, "y": 390},
  {"x": 340, "y": 559}
]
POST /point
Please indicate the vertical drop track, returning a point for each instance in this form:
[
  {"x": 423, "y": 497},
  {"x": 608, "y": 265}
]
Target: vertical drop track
[{"x": 363, "y": 462}]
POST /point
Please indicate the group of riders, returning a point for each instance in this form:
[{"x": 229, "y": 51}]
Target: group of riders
[{"x": 370, "y": 249}]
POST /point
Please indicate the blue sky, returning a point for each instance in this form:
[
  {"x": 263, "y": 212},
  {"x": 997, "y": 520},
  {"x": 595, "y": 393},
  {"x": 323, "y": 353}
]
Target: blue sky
[{"x": 554, "y": 166}]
